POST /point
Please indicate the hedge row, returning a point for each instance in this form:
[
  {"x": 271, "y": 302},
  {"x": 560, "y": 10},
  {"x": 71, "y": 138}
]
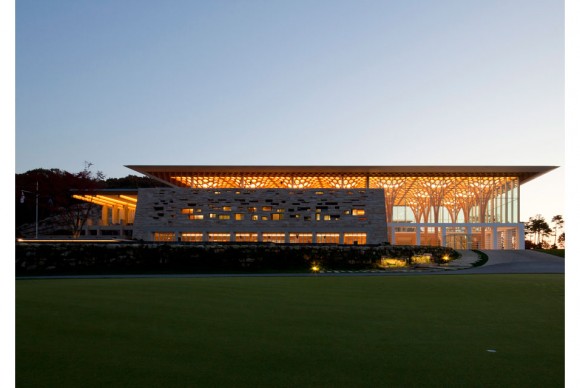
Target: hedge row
[{"x": 73, "y": 258}]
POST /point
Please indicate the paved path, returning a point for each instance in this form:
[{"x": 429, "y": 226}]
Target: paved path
[{"x": 527, "y": 261}]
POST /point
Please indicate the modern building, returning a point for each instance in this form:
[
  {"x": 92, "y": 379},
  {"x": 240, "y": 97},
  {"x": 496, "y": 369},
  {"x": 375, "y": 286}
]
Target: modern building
[{"x": 463, "y": 207}]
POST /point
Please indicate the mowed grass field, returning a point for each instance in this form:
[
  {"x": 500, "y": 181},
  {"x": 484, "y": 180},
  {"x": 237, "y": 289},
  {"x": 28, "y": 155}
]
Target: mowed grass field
[{"x": 395, "y": 331}]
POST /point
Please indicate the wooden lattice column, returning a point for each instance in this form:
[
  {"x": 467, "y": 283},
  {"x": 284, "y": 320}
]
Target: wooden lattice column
[
  {"x": 419, "y": 204},
  {"x": 482, "y": 189},
  {"x": 453, "y": 207},
  {"x": 436, "y": 188}
]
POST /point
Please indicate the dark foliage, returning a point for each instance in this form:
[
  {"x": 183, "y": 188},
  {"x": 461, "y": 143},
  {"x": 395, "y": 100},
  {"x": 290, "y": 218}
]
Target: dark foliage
[
  {"x": 35, "y": 259},
  {"x": 54, "y": 188}
]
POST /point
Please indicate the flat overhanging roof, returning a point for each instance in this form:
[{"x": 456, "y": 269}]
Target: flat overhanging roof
[{"x": 524, "y": 173}]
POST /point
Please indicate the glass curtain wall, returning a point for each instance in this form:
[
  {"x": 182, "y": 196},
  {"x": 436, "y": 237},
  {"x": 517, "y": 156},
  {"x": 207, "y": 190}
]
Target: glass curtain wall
[{"x": 462, "y": 200}]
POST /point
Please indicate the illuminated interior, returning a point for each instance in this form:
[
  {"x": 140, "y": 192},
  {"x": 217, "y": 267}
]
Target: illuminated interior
[{"x": 116, "y": 209}]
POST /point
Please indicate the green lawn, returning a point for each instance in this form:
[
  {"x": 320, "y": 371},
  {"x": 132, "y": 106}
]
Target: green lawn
[{"x": 293, "y": 332}]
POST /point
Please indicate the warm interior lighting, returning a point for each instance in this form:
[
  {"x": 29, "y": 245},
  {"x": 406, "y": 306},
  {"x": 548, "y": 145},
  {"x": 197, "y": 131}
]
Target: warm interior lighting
[
  {"x": 104, "y": 201},
  {"x": 132, "y": 199}
]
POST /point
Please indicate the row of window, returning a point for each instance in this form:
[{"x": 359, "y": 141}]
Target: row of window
[
  {"x": 193, "y": 211},
  {"x": 272, "y": 237},
  {"x": 271, "y": 217}
]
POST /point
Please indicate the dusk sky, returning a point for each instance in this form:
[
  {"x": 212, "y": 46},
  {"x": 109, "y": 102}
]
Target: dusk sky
[{"x": 293, "y": 83}]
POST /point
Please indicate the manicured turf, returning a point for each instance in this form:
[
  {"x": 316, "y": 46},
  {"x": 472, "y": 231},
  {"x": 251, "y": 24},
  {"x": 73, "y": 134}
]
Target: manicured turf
[{"x": 294, "y": 332}]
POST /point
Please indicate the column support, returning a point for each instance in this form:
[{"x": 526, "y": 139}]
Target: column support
[
  {"x": 418, "y": 236},
  {"x": 105, "y": 215},
  {"x": 469, "y": 238},
  {"x": 521, "y": 236}
]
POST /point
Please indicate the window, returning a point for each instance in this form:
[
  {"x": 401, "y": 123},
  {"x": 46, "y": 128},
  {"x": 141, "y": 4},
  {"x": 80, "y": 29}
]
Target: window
[
  {"x": 276, "y": 216},
  {"x": 196, "y": 216},
  {"x": 279, "y": 210},
  {"x": 190, "y": 210},
  {"x": 355, "y": 238},
  {"x": 224, "y": 216},
  {"x": 218, "y": 237},
  {"x": 246, "y": 237},
  {"x": 300, "y": 238},
  {"x": 264, "y": 218},
  {"x": 327, "y": 238},
  {"x": 212, "y": 215},
  {"x": 163, "y": 236},
  {"x": 239, "y": 216},
  {"x": 277, "y": 238},
  {"x": 266, "y": 208},
  {"x": 252, "y": 209},
  {"x": 327, "y": 217},
  {"x": 254, "y": 217},
  {"x": 191, "y": 237},
  {"x": 358, "y": 212},
  {"x": 227, "y": 208}
]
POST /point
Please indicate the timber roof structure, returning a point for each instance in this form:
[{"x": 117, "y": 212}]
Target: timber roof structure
[{"x": 215, "y": 176}]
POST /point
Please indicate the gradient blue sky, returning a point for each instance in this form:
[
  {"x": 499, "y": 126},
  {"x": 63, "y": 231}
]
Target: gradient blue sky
[{"x": 293, "y": 82}]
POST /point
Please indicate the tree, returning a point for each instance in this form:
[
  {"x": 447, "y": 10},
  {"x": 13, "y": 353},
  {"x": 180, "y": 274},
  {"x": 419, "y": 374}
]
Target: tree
[
  {"x": 75, "y": 213},
  {"x": 58, "y": 211},
  {"x": 558, "y": 221},
  {"x": 562, "y": 239},
  {"x": 538, "y": 227}
]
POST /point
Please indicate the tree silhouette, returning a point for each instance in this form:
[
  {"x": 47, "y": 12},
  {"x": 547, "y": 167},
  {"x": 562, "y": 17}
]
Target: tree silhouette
[
  {"x": 56, "y": 205},
  {"x": 562, "y": 239},
  {"x": 558, "y": 221},
  {"x": 538, "y": 227}
]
